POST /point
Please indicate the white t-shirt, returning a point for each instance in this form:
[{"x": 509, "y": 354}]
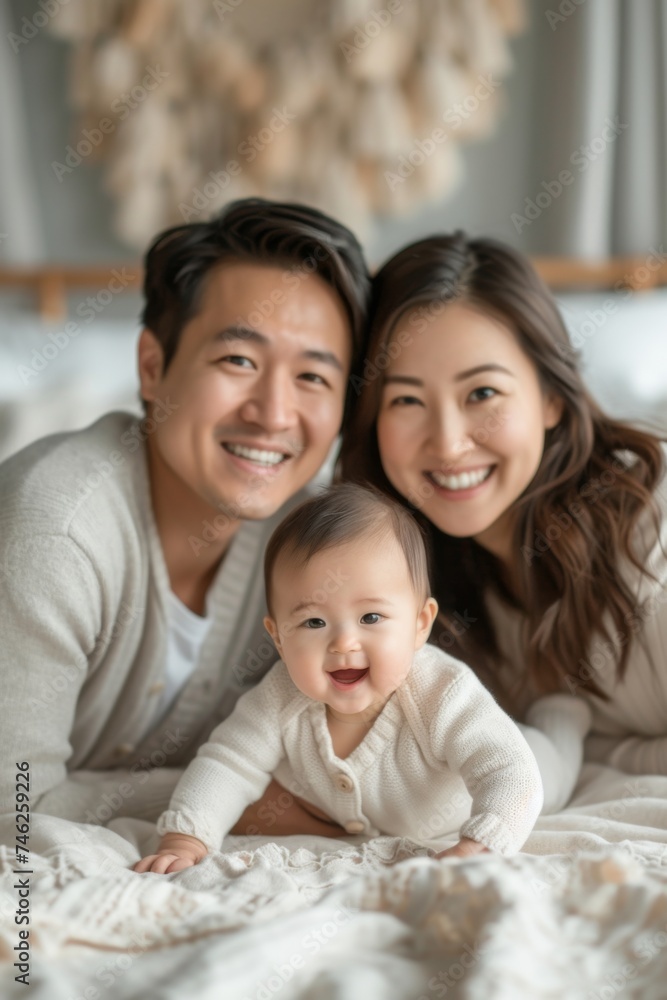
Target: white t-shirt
[{"x": 186, "y": 633}]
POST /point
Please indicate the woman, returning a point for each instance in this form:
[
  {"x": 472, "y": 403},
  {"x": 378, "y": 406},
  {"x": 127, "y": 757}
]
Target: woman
[{"x": 545, "y": 518}]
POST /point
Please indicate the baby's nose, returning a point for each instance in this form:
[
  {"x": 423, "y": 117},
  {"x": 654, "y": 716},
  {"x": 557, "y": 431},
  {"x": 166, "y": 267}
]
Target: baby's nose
[{"x": 344, "y": 641}]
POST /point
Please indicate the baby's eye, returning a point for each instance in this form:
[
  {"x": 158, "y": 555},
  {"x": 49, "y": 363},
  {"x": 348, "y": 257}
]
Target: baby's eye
[
  {"x": 372, "y": 618},
  {"x": 313, "y": 623},
  {"x": 484, "y": 392}
]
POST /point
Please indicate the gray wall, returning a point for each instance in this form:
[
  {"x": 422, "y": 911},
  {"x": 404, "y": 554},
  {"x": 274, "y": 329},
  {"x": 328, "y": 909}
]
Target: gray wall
[{"x": 76, "y": 215}]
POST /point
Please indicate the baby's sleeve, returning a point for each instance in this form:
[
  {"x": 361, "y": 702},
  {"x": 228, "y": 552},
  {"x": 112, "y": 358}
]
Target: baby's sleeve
[
  {"x": 472, "y": 734},
  {"x": 234, "y": 767}
]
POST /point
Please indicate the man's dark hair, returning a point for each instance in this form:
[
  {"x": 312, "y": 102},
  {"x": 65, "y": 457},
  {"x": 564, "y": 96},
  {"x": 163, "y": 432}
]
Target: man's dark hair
[{"x": 258, "y": 231}]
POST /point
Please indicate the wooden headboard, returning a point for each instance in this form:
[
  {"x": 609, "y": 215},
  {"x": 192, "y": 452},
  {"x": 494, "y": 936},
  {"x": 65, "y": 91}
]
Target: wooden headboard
[{"x": 51, "y": 283}]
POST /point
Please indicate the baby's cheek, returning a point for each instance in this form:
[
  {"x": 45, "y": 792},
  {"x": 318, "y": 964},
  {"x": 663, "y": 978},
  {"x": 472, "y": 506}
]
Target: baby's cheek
[{"x": 391, "y": 675}]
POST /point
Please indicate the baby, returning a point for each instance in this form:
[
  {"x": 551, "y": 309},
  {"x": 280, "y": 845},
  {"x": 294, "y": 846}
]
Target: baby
[{"x": 385, "y": 734}]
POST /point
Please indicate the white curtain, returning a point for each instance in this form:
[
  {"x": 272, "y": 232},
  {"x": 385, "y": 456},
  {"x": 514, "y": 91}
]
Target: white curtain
[
  {"x": 603, "y": 86},
  {"x": 21, "y": 232}
]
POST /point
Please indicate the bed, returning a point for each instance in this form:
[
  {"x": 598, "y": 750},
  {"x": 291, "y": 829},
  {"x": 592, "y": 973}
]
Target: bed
[{"x": 580, "y": 913}]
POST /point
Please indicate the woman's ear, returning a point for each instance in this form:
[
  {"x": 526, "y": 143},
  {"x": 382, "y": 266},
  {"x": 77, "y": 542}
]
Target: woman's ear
[
  {"x": 553, "y": 410},
  {"x": 272, "y": 628},
  {"x": 425, "y": 620},
  {"x": 150, "y": 359}
]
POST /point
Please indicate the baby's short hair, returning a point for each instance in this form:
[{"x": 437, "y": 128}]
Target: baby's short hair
[{"x": 340, "y": 514}]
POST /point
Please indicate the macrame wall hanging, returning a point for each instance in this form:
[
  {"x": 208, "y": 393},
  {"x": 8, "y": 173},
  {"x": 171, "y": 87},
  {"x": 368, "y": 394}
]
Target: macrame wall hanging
[{"x": 357, "y": 107}]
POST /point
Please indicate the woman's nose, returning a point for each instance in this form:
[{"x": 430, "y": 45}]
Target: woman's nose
[{"x": 451, "y": 436}]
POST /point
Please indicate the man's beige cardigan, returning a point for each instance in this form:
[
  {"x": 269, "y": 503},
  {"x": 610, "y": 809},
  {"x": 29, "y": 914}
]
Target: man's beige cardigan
[{"x": 83, "y": 588}]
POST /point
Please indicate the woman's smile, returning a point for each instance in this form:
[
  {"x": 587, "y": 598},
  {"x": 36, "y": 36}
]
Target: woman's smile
[{"x": 462, "y": 422}]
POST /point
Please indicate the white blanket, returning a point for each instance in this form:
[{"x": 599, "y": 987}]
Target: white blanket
[{"x": 581, "y": 913}]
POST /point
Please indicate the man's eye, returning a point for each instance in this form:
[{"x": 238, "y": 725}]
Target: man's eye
[
  {"x": 372, "y": 618},
  {"x": 313, "y": 623},
  {"x": 314, "y": 378},
  {"x": 237, "y": 359},
  {"x": 484, "y": 392}
]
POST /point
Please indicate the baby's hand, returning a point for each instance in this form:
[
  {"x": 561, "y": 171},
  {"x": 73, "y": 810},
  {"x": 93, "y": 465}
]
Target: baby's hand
[
  {"x": 464, "y": 849},
  {"x": 176, "y": 852}
]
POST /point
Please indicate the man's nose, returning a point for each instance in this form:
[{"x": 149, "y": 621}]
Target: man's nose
[{"x": 271, "y": 403}]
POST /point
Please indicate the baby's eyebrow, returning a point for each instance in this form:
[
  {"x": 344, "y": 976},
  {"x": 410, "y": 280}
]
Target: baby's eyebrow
[
  {"x": 310, "y": 603},
  {"x": 303, "y": 606}
]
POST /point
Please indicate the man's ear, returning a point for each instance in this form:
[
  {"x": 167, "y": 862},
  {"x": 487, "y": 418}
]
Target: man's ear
[
  {"x": 150, "y": 358},
  {"x": 425, "y": 620},
  {"x": 272, "y": 629},
  {"x": 553, "y": 410}
]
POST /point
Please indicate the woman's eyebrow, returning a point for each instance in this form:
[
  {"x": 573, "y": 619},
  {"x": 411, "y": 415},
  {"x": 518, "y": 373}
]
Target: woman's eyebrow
[
  {"x": 491, "y": 367},
  {"x": 468, "y": 373}
]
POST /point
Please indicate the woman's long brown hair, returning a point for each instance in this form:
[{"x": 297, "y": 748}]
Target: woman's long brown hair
[{"x": 576, "y": 519}]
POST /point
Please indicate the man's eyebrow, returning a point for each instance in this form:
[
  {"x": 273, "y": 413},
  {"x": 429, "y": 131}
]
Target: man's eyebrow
[
  {"x": 231, "y": 334},
  {"x": 234, "y": 334},
  {"x": 326, "y": 357}
]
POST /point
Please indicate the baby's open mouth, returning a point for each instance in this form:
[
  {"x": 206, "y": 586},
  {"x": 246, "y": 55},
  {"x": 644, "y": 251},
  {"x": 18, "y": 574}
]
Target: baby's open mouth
[{"x": 348, "y": 676}]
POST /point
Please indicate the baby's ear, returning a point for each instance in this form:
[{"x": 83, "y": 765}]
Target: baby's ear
[
  {"x": 425, "y": 620},
  {"x": 272, "y": 629}
]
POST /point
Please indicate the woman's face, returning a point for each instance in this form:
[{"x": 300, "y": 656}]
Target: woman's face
[{"x": 462, "y": 420}]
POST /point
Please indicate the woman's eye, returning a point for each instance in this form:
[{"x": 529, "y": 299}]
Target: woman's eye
[
  {"x": 484, "y": 392},
  {"x": 314, "y": 623},
  {"x": 372, "y": 618},
  {"x": 405, "y": 401}
]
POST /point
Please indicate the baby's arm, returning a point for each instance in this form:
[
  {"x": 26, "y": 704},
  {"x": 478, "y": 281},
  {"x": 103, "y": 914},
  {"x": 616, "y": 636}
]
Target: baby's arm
[
  {"x": 230, "y": 771},
  {"x": 474, "y": 737},
  {"x": 465, "y": 848},
  {"x": 175, "y": 852}
]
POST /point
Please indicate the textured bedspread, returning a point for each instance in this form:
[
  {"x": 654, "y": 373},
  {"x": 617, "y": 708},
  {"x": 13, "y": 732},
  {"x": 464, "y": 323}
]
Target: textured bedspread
[{"x": 581, "y": 913}]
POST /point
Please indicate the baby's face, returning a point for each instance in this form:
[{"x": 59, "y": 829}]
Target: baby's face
[{"x": 348, "y": 622}]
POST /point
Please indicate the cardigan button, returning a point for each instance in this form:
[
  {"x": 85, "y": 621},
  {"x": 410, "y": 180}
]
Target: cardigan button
[
  {"x": 355, "y": 826},
  {"x": 344, "y": 783},
  {"x": 156, "y": 688},
  {"x": 124, "y": 749}
]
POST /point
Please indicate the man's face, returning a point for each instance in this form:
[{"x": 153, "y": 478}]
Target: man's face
[{"x": 257, "y": 387}]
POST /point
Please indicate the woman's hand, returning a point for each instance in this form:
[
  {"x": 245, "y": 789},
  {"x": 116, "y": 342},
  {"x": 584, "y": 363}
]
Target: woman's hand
[
  {"x": 176, "y": 852},
  {"x": 464, "y": 849}
]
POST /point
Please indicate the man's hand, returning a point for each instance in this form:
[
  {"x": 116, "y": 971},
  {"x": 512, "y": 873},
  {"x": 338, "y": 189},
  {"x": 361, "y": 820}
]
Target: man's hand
[
  {"x": 176, "y": 852},
  {"x": 464, "y": 849},
  {"x": 280, "y": 814}
]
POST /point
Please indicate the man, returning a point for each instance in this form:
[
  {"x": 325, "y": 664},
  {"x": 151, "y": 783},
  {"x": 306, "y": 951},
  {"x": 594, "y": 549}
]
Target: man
[{"x": 131, "y": 551}]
